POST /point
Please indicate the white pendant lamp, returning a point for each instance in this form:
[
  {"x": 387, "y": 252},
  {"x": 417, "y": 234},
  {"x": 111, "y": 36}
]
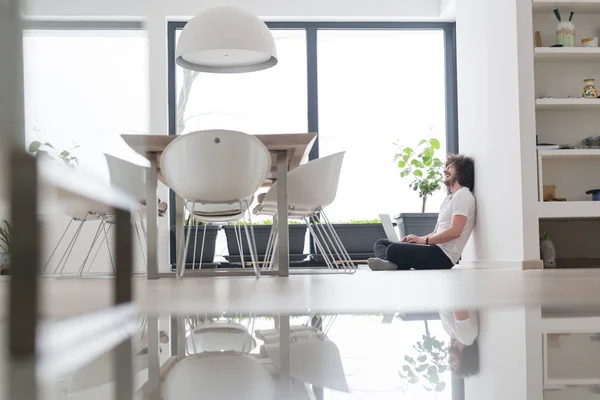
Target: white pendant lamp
[{"x": 226, "y": 40}]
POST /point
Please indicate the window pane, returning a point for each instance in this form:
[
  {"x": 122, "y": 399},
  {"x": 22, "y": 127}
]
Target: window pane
[
  {"x": 86, "y": 88},
  {"x": 263, "y": 102},
  {"x": 376, "y": 87}
]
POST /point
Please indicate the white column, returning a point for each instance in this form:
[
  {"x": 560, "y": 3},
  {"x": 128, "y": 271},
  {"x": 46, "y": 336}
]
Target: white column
[
  {"x": 157, "y": 38},
  {"x": 496, "y": 114},
  {"x": 510, "y": 354}
]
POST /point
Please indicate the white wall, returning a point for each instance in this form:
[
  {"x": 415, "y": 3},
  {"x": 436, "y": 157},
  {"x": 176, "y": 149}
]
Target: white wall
[
  {"x": 510, "y": 352},
  {"x": 496, "y": 126},
  {"x": 341, "y": 10}
]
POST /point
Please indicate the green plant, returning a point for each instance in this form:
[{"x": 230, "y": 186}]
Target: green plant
[
  {"x": 36, "y": 147},
  {"x": 422, "y": 166},
  {"x": 6, "y": 237},
  {"x": 430, "y": 362},
  {"x": 191, "y": 221}
]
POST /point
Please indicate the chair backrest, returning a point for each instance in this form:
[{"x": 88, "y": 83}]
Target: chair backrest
[
  {"x": 215, "y": 165},
  {"x": 219, "y": 376},
  {"x": 127, "y": 176},
  {"x": 313, "y": 184}
]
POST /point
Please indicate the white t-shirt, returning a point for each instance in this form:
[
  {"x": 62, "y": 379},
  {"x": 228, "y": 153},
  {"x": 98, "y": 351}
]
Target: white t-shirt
[
  {"x": 465, "y": 331},
  {"x": 460, "y": 203}
]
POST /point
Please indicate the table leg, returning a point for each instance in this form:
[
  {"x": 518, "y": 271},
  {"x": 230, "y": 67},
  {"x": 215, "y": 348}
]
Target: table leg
[
  {"x": 181, "y": 339},
  {"x": 152, "y": 216},
  {"x": 283, "y": 245},
  {"x": 24, "y": 290},
  {"x": 123, "y": 295},
  {"x": 153, "y": 359},
  {"x": 179, "y": 219},
  {"x": 284, "y": 355}
]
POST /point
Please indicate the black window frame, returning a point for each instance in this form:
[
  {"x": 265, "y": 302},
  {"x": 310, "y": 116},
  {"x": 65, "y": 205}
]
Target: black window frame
[{"x": 312, "y": 28}]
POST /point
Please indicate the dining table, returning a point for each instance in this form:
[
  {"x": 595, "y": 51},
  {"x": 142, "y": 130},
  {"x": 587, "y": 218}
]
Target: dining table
[{"x": 288, "y": 151}]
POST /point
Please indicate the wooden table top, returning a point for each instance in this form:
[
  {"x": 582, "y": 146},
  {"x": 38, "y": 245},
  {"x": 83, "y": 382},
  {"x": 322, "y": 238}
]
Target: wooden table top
[{"x": 298, "y": 146}]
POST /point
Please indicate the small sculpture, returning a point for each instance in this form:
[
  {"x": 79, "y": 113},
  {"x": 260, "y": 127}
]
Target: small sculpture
[
  {"x": 565, "y": 30},
  {"x": 589, "y": 89}
]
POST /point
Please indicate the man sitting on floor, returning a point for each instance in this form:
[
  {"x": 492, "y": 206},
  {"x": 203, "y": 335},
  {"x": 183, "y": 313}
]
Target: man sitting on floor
[{"x": 442, "y": 248}]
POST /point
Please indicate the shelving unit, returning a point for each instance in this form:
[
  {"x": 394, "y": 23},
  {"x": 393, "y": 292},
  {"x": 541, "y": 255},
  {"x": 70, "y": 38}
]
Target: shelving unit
[
  {"x": 568, "y": 209},
  {"x": 569, "y": 54},
  {"x": 570, "y": 154},
  {"x": 567, "y": 104},
  {"x": 578, "y": 6},
  {"x": 563, "y": 117}
]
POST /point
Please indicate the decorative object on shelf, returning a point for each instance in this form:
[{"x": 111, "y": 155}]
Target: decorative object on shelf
[
  {"x": 595, "y": 194},
  {"x": 538, "y": 39},
  {"x": 226, "y": 40},
  {"x": 547, "y": 251},
  {"x": 565, "y": 30},
  {"x": 589, "y": 42},
  {"x": 5, "y": 247},
  {"x": 549, "y": 192},
  {"x": 591, "y": 142},
  {"x": 589, "y": 89}
]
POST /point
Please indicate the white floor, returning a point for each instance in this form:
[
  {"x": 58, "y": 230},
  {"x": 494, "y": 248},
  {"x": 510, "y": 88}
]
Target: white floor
[{"x": 364, "y": 292}]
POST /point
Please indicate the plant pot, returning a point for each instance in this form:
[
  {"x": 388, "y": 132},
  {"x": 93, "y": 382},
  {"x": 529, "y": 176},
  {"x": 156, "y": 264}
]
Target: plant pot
[
  {"x": 208, "y": 255},
  {"x": 4, "y": 264},
  {"x": 419, "y": 224},
  {"x": 358, "y": 239},
  {"x": 297, "y": 236}
]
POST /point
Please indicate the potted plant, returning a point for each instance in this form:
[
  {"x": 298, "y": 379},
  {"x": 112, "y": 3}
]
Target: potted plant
[
  {"x": 262, "y": 231},
  {"x": 5, "y": 247},
  {"x": 428, "y": 365},
  {"x": 358, "y": 238},
  {"x": 38, "y": 148},
  {"x": 195, "y": 243},
  {"x": 425, "y": 171}
]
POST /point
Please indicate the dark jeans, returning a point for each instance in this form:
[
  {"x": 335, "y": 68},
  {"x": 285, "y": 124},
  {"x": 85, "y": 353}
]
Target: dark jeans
[{"x": 410, "y": 255}]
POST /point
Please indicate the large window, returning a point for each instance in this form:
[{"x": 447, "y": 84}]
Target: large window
[
  {"x": 86, "y": 83},
  {"x": 264, "y": 102},
  {"x": 360, "y": 86},
  {"x": 85, "y": 87},
  {"x": 376, "y": 87}
]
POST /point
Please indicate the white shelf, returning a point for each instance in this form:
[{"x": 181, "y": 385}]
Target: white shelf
[
  {"x": 577, "y": 6},
  {"x": 570, "y": 153},
  {"x": 549, "y": 54},
  {"x": 567, "y": 104},
  {"x": 568, "y": 209}
]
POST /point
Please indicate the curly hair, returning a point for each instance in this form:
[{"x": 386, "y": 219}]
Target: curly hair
[
  {"x": 469, "y": 362},
  {"x": 465, "y": 169}
]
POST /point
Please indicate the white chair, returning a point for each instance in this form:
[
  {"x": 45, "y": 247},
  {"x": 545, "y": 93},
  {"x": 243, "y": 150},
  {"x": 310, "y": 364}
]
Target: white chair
[
  {"x": 220, "y": 375},
  {"x": 122, "y": 174},
  {"x": 311, "y": 188},
  {"x": 314, "y": 358},
  {"x": 217, "y": 173},
  {"x": 220, "y": 336}
]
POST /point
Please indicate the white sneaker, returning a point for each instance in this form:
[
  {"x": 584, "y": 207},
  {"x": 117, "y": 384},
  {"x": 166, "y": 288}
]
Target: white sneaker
[{"x": 377, "y": 264}]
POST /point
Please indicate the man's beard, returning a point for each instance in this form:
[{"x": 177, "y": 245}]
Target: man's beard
[{"x": 450, "y": 181}]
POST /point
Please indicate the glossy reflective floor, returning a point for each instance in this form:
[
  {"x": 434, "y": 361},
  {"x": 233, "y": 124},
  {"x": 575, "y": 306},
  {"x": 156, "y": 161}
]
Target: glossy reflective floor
[{"x": 410, "y": 356}]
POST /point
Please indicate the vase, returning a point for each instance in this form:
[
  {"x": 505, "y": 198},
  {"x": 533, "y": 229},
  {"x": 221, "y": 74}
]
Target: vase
[
  {"x": 565, "y": 34},
  {"x": 589, "y": 89}
]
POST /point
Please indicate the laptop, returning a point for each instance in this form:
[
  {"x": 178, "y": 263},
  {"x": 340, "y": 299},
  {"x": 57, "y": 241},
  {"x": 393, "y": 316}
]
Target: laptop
[
  {"x": 390, "y": 231},
  {"x": 388, "y": 227}
]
